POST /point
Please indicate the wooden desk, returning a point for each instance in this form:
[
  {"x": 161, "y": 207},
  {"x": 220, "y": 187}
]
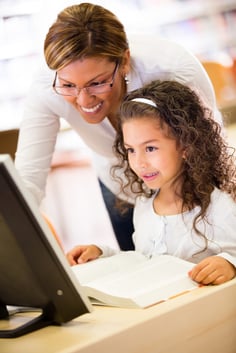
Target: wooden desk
[{"x": 201, "y": 321}]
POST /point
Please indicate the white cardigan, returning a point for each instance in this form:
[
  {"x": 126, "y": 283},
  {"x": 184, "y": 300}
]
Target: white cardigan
[{"x": 174, "y": 235}]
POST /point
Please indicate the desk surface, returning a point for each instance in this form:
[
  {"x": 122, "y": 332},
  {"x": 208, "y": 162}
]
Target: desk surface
[{"x": 203, "y": 320}]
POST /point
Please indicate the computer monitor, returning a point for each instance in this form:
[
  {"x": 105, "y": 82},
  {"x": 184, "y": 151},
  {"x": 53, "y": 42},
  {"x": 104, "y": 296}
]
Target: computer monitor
[{"x": 34, "y": 271}]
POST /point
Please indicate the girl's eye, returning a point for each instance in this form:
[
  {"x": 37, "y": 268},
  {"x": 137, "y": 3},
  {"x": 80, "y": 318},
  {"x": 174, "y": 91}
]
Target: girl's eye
[
  {"x": 129, "y": 150},
  {"x": 151, "y": 148}
]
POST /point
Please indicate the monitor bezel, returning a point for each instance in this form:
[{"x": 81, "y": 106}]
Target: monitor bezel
[{"x": 41, "y": 263}]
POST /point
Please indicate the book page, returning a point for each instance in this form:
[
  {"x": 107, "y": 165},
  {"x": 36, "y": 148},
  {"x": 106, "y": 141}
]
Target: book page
[
  {"x": 103, "y": 266},
  {"x": 151, "y": 275}
]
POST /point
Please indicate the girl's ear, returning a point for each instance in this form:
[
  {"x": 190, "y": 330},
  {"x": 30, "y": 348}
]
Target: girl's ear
[{"x": 184, "y": 153}]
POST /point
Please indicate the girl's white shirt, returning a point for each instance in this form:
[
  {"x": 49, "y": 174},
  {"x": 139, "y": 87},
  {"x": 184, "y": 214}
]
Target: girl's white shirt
[
  {"x": 151, "y": 59},
  {"x": 174, "y": 234}
]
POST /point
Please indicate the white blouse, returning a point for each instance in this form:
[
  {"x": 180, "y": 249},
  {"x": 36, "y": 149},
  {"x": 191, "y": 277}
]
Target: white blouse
[{"x": 174, "y": 234}]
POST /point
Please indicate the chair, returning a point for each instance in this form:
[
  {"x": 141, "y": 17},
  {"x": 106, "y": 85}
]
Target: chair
[
  {"x": 8, "y": 141},
  {"x": 224, "y": 83}
]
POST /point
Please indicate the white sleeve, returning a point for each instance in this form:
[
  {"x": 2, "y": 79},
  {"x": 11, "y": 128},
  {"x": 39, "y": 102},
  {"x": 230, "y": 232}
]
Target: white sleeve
[
  {"x": 225, "y": 214},
  {"x": 107, "y": 251},
  {"x": 37, "y": 138},
  {"x": 227, "y": 240},
  {"x": 228, "y": 257},
  {"x": 190, "y": 71}
]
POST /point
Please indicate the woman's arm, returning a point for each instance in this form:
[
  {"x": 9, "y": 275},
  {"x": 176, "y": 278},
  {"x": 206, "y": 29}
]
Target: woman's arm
[{"x": 37, "y": 136}]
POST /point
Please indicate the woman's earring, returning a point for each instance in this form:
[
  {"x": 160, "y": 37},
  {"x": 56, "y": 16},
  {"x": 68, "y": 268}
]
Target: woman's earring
[{"x": 126, "y": 79}]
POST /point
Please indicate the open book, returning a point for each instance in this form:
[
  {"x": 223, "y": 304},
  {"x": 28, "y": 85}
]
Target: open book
[{"x": 131, "y": 280}]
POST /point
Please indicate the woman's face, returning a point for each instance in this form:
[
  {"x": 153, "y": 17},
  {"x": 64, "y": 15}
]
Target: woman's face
[{"x": 90, "y": 72}]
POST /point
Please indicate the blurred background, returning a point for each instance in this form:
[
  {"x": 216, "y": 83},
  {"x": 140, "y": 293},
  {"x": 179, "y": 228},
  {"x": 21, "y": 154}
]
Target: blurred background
[{"x": 205, "y": 27}]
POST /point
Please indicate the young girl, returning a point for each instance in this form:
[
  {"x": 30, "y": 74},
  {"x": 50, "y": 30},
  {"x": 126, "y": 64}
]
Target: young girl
[{"x": 184, "y": 176}]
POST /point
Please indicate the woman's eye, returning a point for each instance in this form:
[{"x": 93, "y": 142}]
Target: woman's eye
[
  {"x": 68, "y": 85},
  {"x": 96, "y": 83}
]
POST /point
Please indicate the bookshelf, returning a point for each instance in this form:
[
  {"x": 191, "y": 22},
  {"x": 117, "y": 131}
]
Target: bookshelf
[{"x": 206, "y": 27}]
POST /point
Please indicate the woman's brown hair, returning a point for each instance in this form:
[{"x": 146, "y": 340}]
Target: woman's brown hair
[{"x": 81, "y": 31}]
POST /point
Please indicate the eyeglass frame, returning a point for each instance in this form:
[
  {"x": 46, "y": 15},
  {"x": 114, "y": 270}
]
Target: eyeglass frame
[{"x": 87, "y": 88}]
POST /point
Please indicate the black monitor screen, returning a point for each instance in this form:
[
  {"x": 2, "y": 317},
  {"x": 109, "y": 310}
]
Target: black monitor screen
[{"x": 33, "y": 269}]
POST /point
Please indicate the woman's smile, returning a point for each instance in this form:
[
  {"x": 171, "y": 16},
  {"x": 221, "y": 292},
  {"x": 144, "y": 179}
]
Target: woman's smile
[{"x": 94, "y": 109}]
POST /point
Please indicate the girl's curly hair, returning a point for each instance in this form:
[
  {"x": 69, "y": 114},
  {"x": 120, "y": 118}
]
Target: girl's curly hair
[{"x": 209, "y": 161}]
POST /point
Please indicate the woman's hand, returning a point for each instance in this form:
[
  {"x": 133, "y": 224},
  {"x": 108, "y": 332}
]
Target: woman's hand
[
  {"x": 213, "y": 270},
  {"x": 83, "y": 253}
]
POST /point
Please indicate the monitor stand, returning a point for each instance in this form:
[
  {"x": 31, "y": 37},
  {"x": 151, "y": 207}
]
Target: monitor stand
[{"x": 31, "y": 325}]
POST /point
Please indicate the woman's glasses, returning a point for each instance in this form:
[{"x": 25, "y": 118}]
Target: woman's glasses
[{"x": 73, "y": 91}]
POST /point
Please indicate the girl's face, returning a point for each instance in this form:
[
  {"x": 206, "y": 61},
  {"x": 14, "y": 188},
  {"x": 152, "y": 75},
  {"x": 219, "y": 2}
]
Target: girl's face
[
  {"x": 152, "y": 155},
  {"x": 89, "y": 72}
]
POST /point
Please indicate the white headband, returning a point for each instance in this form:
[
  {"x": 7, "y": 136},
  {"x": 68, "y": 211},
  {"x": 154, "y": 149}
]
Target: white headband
[{"x": 144, "y": 100}]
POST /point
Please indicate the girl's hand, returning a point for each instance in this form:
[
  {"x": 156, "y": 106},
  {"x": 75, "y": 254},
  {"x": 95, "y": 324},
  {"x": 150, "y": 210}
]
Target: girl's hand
[
  {"x": 213, "y": 270},
  {"x": 83, "y": 253}
]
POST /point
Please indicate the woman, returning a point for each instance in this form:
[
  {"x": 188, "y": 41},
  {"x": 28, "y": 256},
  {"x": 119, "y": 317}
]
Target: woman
[{"x": 90, "y": 71}]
